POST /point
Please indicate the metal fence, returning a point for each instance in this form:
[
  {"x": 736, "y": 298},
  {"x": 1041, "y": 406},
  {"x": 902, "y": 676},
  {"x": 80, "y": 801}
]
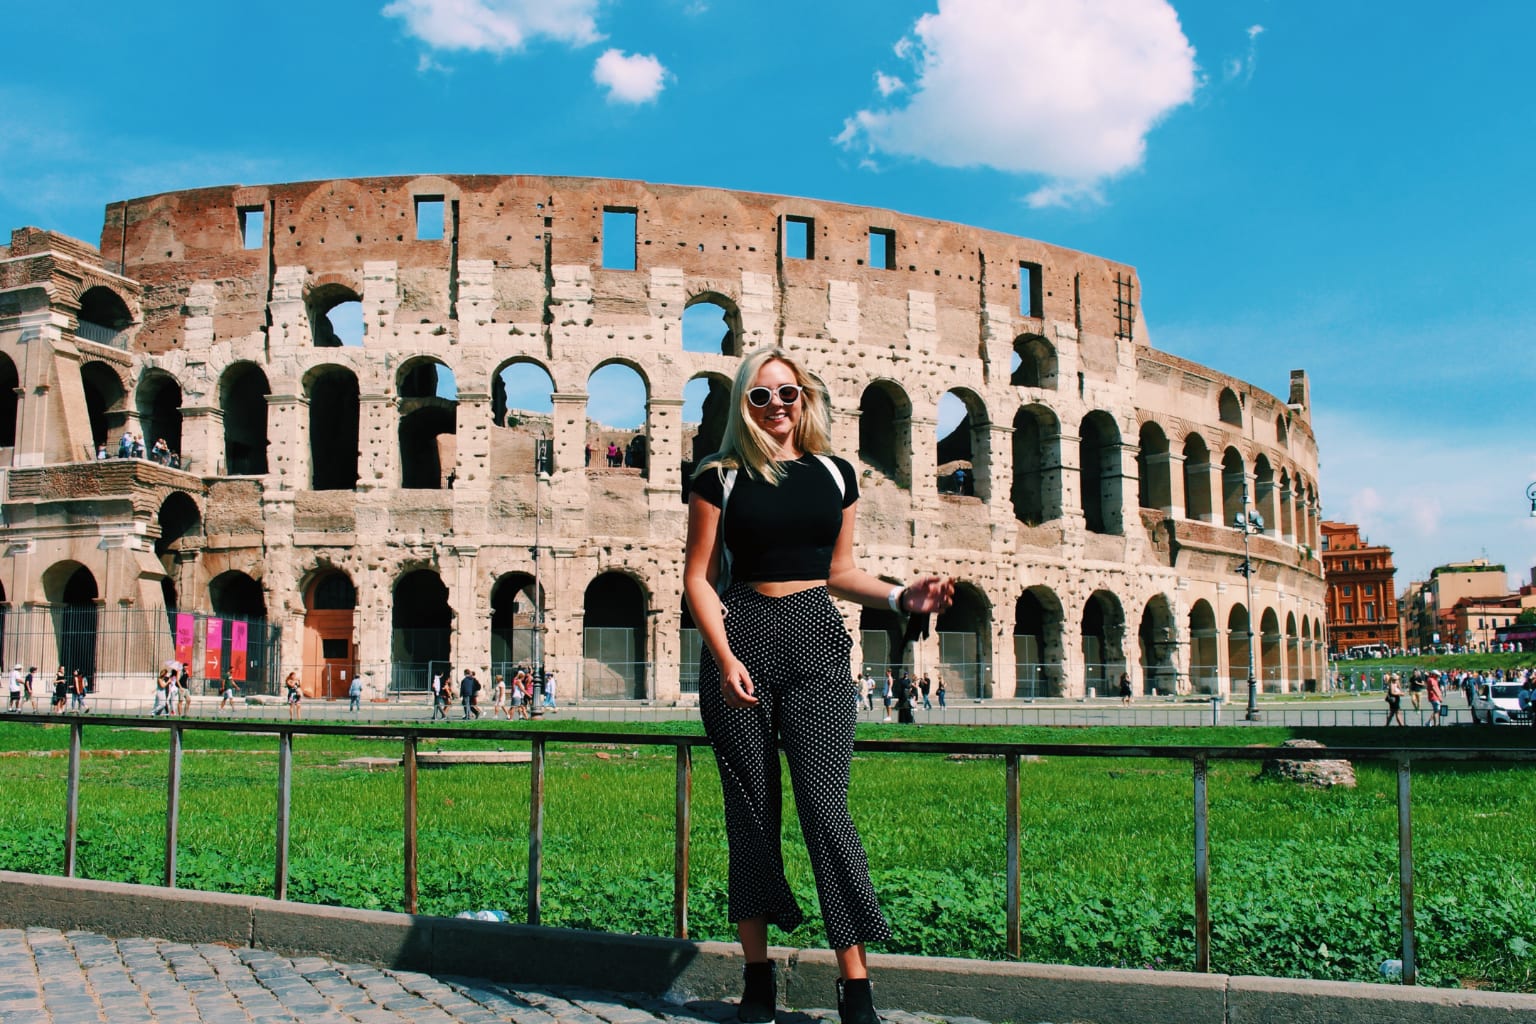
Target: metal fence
[
  {"x": 1199, "y": 759},
  {"x": 122, "y": 649}
]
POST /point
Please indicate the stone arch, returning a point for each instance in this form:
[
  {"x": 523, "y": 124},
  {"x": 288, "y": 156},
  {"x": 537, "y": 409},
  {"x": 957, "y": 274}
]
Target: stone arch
[
  {"x": 1158, "y": 636},
  {"x": 880, "y": 632},
  {"x": 712, "y": 325},
  {"x": 515, "y": 388},
  {"x": 1229, "y": 409},
  {"x": 1264, "y": 492},
  {"x": 1103, "y": 637},
  {"x": 332, "y": 392},
  {"x": 429, "y": 403},
  {"x": 105, "y": 400},
  {"x": 235, "y": 593},
  {"x": 159, "y": 401},
  {"x": 1034, "y": 363},
  {"x": 706, "y": 396},
  {"x": 1154, "y": 478},
  {"x": 1038, "y": 628},
  {"x": 1036, "y": 490},
  {"x": 1287, "y": 521},
  {"x": 1234, "y": 485},
  {"x": 609, "y": 390},
  {"x": 964, "y": 633},
  {"x": 516, "y": 623},
  {"x": 885, "y": 430},
  {"x": 1270, "y": 654},
  {"x": 10, "y": 382},
  {"x": 181, "y": 537},
  {"x": 329, "y": 650},
  {"x": 75, "y": 599},
  {"x": 243, "y": 391},
  {"x": 1239, "y": 645},
  {"x": 1282, "y": 432},
  {"x": 1204, "y": 649},
  {"x": 1197, "y": 479},
  {"x": 965, "y": 453},
  {"x": 1100, "y": 473},
  {"x": 330, "y": 301},
  {"x": 104, "y": 316},
  {"x": 421, "y": 619},
  {"x": 1293, "y": 671},
  {"x": 614, "y": 648}
]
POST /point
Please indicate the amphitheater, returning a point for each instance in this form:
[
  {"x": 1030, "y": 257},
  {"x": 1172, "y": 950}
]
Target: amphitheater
[{"x": 391, "y": 504}]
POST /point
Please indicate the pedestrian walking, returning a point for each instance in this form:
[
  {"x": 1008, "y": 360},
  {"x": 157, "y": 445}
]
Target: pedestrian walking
[
  {"x": 469, "y": 689},
  {"x": 15, "y": 691},
  {"x": 78, "y": 687},
  {"x": 227, "y": 692},
  {"x": 939, "y": 690},
  {"x": 355, "y": 694},
  {"x": 294, "y": 695},
  {"x": 549, "y": 691}
]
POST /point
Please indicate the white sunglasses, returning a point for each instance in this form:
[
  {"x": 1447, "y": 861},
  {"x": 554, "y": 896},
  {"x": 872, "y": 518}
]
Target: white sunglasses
[{"x": 759, "y": 397}]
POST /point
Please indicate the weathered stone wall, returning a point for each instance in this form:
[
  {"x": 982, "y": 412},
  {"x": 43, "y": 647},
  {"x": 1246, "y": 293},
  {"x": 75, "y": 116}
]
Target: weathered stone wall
[{"x": 517, "y": 276}]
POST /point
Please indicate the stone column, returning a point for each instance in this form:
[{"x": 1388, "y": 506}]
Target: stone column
[
  {"x": 664, "y": 446},
  {"x": 471, "y": 617},
  {"x": 378, "y": 442},
  {"x": 202, "y": 439},
  {"x": 1069, "y": 448},
  {"x": 288, "y": 442},
  {"x": 472, "y": 441}
]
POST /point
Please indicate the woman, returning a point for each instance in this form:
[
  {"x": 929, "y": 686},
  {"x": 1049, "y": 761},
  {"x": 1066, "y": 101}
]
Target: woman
[
  {"x": 776, "y": 665},
  {"x": 941, "y": 691},
  {"x": 184, "y": 692},
  {"x": 1394, "y": 699},
  {"x": 1125, "y": 688},
  {"x": 499, "y": 698},
  {"x": 162, "y": 688},
  {"x": 60, "y": 690},
  {"x": 77, "y": 692},
  {"x": 293, "y": 693}
]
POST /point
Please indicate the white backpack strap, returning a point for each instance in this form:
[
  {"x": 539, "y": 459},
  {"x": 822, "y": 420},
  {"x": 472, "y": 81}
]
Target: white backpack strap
[
  {"x": 723, "y": 575},
  {"x": 837, "y": 474}
]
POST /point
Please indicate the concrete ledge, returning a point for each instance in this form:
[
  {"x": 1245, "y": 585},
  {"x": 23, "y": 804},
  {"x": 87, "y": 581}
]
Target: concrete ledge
[{"x": 708, "y": 970}]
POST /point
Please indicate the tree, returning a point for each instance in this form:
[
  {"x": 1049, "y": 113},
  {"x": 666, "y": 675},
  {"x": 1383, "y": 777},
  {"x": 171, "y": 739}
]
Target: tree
[{"x": 1526, "y": 617}]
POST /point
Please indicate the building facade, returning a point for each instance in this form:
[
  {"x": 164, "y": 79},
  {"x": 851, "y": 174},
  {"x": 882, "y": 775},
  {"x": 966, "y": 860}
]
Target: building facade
[
  {"x": 381, "y": 504},
  {"x": 1362, "y": 598}
]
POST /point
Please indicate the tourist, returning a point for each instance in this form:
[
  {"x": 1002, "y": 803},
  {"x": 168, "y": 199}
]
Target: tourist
[
  {"x": 1436, "y": 699},
  {"x": 1394, "y": 700},
  {"x": 355, "y": 694},
  {"x": 549, "y": 691},
  {"x": 28, "y": 687},
  {"x": 77, "y": 690},
  {"x": 867, "y": 689},
  {"x": 15, "y": 691},
  {"x": 162, "y": 686},
  {"x": 125, "y": 445},
  {"x": 940, "y": 692},
  {"x": 924, "y": 688},
  {"x": 469, "y": 690},
  {"x": 1415, "y": 687},
  {"x": 1125, "y": 688},
  {"x": 614, "y": 456},
  {"x": 101, "y": 452},
  {"x": 184, "y": 692},
  {"x": 161, "y": 452},
  {"x": 60, "y": 690},
  {"x": 227, "y": 692},
  {"x": 888, "y": 694},
  {"x": 905, "y": 699},
  {"x": 294, "y": 695},
  {"x": 776, "y": 667},
  {"x": 172, "y": 692},
  {"x": 499, "y": 696}
]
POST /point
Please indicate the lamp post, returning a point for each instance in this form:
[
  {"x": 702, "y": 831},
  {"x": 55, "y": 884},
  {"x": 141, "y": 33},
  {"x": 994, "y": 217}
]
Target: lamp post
[
  {"x": 1249, "y": 522},
  {"x": 1530, "y": 495},
  {"x": 543, "y": 462}
]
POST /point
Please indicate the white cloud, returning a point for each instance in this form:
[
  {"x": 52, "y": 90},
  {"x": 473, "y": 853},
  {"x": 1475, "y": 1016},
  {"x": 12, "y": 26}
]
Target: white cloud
[
  {"x": 888, "y": 84},
  {"x": 496, "y": 26},
  {"x": 630, "y": 78},
  {"x": 1243, "y": 67},
  {"x": 1067, "y": 89}
]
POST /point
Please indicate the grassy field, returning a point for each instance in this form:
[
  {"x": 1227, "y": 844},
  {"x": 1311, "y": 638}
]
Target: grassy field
[{"x": 1303, "y": 882}]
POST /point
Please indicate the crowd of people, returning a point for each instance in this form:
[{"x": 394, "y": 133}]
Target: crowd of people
[
  {"x": 69, "y": 691},
  {"x": 1432, "y": 687},
  {"x": 521, "y": 697},
  {"x": 903, "y": 693},
  {"x": 131, "y": 446}
]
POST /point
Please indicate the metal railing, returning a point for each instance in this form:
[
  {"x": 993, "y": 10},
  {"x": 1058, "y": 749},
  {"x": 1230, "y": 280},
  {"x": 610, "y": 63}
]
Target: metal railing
[
  {"x": 101, "y": 334},
  {"x": 1199, "y": 758}
]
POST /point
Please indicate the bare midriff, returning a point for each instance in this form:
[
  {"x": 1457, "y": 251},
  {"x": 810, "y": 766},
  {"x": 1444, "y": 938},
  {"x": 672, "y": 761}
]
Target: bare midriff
[{"x": 783, "y": 588}]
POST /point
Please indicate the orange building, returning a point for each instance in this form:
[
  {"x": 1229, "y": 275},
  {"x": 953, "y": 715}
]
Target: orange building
[{"x": 1362, "y": 599}]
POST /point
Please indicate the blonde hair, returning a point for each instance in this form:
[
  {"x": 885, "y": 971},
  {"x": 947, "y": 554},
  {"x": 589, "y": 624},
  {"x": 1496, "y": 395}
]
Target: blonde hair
[{"x": 744, "y": 445}]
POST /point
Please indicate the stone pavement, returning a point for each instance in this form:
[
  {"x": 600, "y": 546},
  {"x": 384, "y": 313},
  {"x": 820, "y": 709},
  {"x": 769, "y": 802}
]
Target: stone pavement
[{"x": 53, "y": 977}]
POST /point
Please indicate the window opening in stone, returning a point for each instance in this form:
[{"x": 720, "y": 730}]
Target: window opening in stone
[
  {"x": 1232, "y": 480},
  {"x": 616, "y": 425},
  {"x": 236, "y": 594},
  {"x": 615, "y": 665},
  {"x": 422, "y": 631},
  {"x": 429, "y": 400},
  {"x": 799, "y": 241},
  {"x": 515, "y": 622},
  {"x": 885, "y": 433},
  {"x": 1031, "y": 298},
  {"x": 243, "y": 400},
  {"x": 9, "y": 382},
  {"x": 104, "y": 406},
  {"x": 253, "y": 220},
  {"x": 1271, "y": 678},
  {"x": 159, "y": 400},
  {"x": 335, "y": 316},
  {"x": 522, "y": 414},
  {"x": 1239, "y": 643},
  {"x": 961, "y": 440},
  {"x": 1099, "y": 473},
  {"x": 1154, "y": 483},
  {"x": 710, "y": 327},
  {"x": 1037, "y": 487},
  {"x": 1264, "y": 493},
  {"x": 181, "y": 536},
  {"x": 1204, "y": 669},
  {"x": 706, "y": 405},
  {"x": 880, "y": 632},
  {"x": 1034, "y": 362},
  {"x": 1197, "y": 479},
  {"x": 429, "y": 218},
  {"x": 104, "y": 317},
  {"x": 619, "y": 233},
  {"x": 882, "y": 248},
  {"x": 75, "y": 621},
  {"x": 964, "y": 632},
  {"x": 1037, "y": 623},
  {"x": 1103, "y": 639},
  {"x": 333, "y": 414},
  {"x": 1158, "y": 640},
  {"x": 1229, "y": 408}
]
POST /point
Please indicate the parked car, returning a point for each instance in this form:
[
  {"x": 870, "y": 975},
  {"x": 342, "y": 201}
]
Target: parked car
[{"x": 1497, "y": 704}]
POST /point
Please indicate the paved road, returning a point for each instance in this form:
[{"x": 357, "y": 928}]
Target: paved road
[{"x": 53, "y": 977}]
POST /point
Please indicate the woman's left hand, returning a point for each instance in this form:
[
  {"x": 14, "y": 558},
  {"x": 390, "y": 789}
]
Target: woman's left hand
[{"x": 928, "y": 594}]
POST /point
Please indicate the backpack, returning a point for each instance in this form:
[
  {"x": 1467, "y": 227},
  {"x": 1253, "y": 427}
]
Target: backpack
[{"x": 727, "y": 483}]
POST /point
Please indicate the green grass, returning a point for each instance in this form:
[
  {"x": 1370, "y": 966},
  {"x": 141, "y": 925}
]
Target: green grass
[{"x": 1303, "y": 883}]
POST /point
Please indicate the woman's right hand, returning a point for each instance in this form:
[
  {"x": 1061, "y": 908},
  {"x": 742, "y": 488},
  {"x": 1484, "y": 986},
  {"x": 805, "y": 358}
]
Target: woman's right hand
[{"x": 736, "y": 685}]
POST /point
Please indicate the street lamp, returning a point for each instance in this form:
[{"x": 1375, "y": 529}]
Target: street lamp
[
  {"x": 1249, "y": 522},
  {"x": 1530, "y": 494},
  {"x": 543, "y": 465}
]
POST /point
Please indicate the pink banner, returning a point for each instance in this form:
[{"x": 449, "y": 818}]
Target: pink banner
[
  {"x": 186, "y": 636},
  {"x": 213, "y": 648},
  {"x": 237, "y": 638}
]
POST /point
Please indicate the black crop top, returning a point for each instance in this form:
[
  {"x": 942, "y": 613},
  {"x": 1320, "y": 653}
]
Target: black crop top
[{"x": 783, "y": 532}]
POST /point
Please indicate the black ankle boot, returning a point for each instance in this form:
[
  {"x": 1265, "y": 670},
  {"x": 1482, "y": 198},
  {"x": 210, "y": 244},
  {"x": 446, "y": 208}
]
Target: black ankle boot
[
  {"x": 757, "y": 995},
  {"x": 855, "y": 1002}
]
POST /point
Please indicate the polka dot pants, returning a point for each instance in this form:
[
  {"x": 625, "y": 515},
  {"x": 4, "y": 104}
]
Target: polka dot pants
[{"x": 796, "y": 649}]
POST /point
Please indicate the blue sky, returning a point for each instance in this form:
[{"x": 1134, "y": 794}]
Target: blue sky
[{"x": 1338, "y": 187}]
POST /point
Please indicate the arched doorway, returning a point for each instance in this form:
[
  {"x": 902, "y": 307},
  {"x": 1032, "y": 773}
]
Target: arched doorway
[
  {"x": 1270, "y": 654},
  {"x": 330, "y": 607},
  {"x": 72, "y": 591},
  {"x": 429, "y": 402},
  {"x": 1103, "y": 642},
  {"x": 614, "y": 642},
  {"x": 423, "y": 630},
  {"x": 515, "y": 622},
  {"x": 1159, "y": 641},
  {"x": 243, "y": 397},
  {"x": 1239, "y": 648},
  {"x": 1204, "y": 664},
  {"x": 964, "y": 634},
  {"x": 242, "y": 603},
  {"x": 1037, "y": 626},
  {"x": 333, "y": 417},
  {"x": 885, "y": 432}
]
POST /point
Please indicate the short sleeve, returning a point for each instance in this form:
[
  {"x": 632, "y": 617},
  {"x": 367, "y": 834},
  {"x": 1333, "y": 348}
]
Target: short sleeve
[
  {"x": 709, "y": 486},
  {"x": 850, "y": 481}
]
